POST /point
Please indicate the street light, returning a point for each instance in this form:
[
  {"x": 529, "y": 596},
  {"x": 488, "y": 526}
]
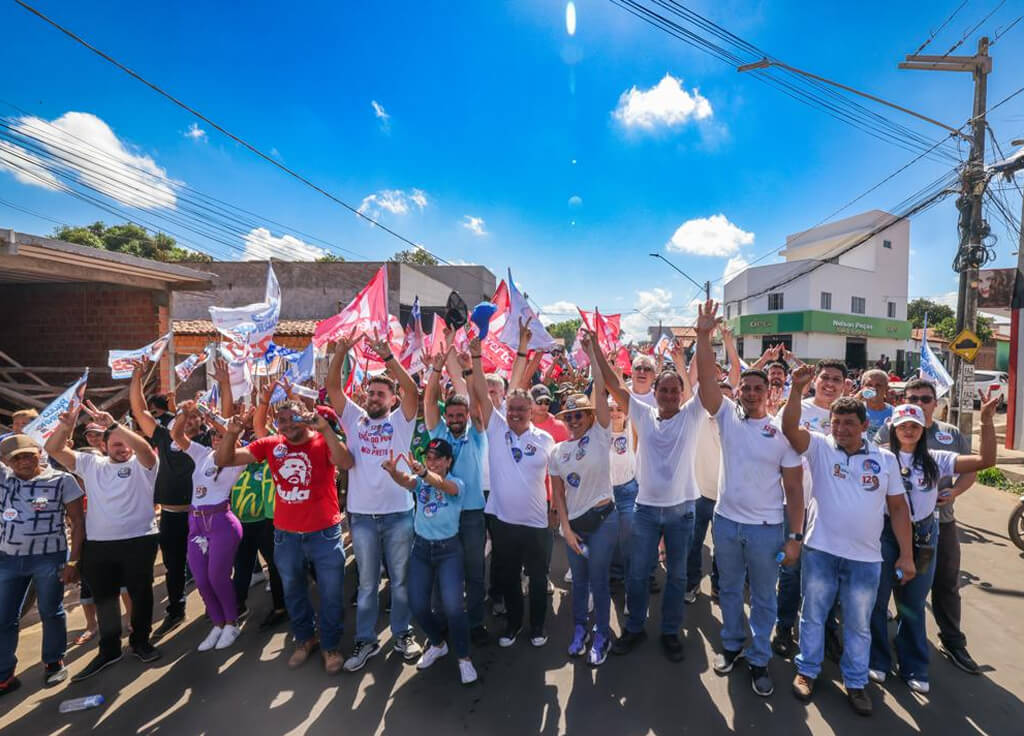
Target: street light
[
  {"x": 706, "y": 286},
  {"x": 766, "y": 63}
]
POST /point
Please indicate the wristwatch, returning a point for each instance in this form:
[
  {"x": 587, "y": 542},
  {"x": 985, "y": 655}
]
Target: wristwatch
[
  {"x": 795, "y": 536},
  {"x": 72, "y": 563}
]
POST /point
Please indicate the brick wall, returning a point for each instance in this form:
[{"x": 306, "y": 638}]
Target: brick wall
[{"x": 76, "y": 324}]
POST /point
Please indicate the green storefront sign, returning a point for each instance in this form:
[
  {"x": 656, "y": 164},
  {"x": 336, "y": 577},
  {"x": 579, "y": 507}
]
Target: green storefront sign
[{"x": 814, "y": 321}]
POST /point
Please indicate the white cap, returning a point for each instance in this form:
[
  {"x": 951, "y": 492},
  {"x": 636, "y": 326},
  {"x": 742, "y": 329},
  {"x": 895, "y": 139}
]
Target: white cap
[{"x": 907, "y": 413}]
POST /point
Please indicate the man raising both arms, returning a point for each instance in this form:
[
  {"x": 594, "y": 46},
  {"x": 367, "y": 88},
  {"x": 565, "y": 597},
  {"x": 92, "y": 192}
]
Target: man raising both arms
[
  {"x": 380, "y": 510},
  {"x": 758, "y": 466},
  {"x": 854, "y": 483},
  {"x": 665, "y": 457}
]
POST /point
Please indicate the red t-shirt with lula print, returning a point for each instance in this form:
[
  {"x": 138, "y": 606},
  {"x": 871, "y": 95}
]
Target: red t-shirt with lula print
[{"x": 307, "y": 500}]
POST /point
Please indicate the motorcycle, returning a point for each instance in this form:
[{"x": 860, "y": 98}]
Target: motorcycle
[{"x": 1015, "y": 528}]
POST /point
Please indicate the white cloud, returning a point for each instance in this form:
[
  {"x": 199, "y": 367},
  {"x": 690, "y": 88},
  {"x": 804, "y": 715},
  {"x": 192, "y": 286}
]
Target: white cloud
[
  {"x": 665, "y": 105},
  {"x": 379, "y": 111},
  {"x": 395, "y": 201},
  {"x": 558, "y": 312},
  {"x": 93, "y": 154},
  {"x": 709, "y": 236},
  {"x": 652, "y": 306},
  {"x": 575, "y": 201},
  {"x": 735, "y": 266},
  {"x": 260, "y": 245},
  {"x": 195, "y": 133},
  {"x": 948, "y": 299},
  {"x": 474, "y": 224}
]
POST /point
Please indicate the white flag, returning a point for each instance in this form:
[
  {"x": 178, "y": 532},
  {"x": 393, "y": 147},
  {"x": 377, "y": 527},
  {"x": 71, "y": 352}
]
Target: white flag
[
  {"x": 932, "y": 369},
  {"x": 519, "y": 309},
  {"x": 121, "y": 361},
  {"x": 253, "y": 325},
  {"x": 44, "y": 425}
]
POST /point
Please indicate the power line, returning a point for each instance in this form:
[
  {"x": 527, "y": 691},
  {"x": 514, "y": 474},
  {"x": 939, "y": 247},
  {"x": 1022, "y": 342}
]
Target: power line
[
  {"x": 938, "y": 30},
  {"x": 973, "y": 28},
  {"x": 1000, "y": 32}
]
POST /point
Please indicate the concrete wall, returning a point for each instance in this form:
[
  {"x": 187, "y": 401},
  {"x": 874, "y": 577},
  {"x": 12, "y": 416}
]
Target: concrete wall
[{"x": 318, "y": 290}]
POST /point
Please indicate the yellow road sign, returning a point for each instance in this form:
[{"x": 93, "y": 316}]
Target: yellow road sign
[{"x": 965, "y": 345}]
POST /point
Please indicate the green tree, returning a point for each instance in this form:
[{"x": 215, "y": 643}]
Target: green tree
[
  {"x": 131, "y": 239},
  {"x": 936, "y": 312},
  {"x": 947, "y": 328},
  {"x": 565, "y": 329},
  {"x": 416, "y": 256},
  {"x": 330, "y": 258}
]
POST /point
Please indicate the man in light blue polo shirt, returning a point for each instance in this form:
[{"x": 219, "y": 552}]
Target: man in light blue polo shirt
[{"x": 469, "y": 447}]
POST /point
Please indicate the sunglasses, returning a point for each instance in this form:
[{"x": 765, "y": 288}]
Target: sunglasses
[
  {"x": 575, "y": 416},
  {"x": 925, "y": 399},
  {"x": 542, "y": 401},
  {"x": 643, "y": 369}
]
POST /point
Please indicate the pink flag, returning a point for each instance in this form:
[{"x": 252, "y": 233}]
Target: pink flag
[
  {"x": 436, "y": 343},
  {"x": 367, "y": 312}
]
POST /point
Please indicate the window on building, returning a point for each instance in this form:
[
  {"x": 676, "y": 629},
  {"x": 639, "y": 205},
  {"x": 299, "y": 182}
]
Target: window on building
[
  {"x": 858, "y": 305},
  {"x": 774, "y": 302},
  {"x": 892, "y": 310},
  {"x": 739, "y": 309},
  {"x": 826, "y": 300},
  {"x": 728, "y": 311},
  {"x": 887, "y": 244}
]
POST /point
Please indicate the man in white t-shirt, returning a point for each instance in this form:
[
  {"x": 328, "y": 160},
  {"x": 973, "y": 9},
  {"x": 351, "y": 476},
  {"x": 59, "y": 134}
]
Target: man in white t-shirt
[
  {"x": 855, "y": 483},
  {"x": 758, "y": 468},
  {"x": 520, "y": 534},
  {"x": 641, "y": 383},
  {"x": 380, "y": 511},
  {"x": 665, "y": 460},
  {"x": 120, "y": 531},
  {"x": 829, "y": 380}
]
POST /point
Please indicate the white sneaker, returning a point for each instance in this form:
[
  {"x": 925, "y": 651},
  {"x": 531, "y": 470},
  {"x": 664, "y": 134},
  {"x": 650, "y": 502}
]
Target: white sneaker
[
  {"x": 876, "y": 676},
  {"x": 918, "y": 686},
  {"x": 211, "y": 639},
  {"x": 590, "y": 603},
  {"x": 228, "y": 636},
  {"x": 467, "y": 672},
  {"x": 568, "y": 575},
  {"x": 432, "y": 655}
]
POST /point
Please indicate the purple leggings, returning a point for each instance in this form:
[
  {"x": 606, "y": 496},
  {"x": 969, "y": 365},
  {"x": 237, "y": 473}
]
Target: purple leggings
[{"x": 211, "y": 568}]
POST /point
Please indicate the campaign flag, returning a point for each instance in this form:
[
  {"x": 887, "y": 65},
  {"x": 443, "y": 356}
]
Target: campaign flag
[
  {"x": 45, "y": 424},
  {"x": 121, "y": 361},
  {"x": 520, "y": 310},
  {"x": 238, "y": 371},
  {"x": 187, "y": 367},
  {"x": 579, "y": 356},
  {"x": 300, "y": 368},
  {"x": 547, "y": 362},
  {"x": 253, "y": 325},
  {"x": 607, "y": 327},
  {"x": 932, "y": 369},
  {"x": 367, "y": 312},
  {"x": 663, "y": 347},
  {"x": 497, "y": 357},
  {"x": 210, "y": 398},
  {"x": 435, "y": 344},
  {"x": 622, "y": 361},
  {"x": 411, "y": 354}
]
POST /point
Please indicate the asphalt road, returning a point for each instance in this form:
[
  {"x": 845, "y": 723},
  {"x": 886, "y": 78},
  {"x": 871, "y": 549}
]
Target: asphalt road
[{"x": 249, "y": 690}]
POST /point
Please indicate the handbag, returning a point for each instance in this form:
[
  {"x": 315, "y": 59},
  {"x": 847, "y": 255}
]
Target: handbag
[
  {"x": 923, "y": 530},
  {"x": 589, "y": 521}
]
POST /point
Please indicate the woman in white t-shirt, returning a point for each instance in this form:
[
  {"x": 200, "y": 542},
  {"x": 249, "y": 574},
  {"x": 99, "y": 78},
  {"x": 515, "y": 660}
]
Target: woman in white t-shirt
[
  {"x": 921, "y": 469},
  {"x": 213, "y": 532},
  {"x": 624, "y": 487},
  {"x": 581, "y": 489}
]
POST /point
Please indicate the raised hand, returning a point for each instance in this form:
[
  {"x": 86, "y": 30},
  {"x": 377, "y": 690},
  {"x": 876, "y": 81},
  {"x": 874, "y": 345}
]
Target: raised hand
[
  {"x": 525, "y": 333},
  {"x": 220, "y": 370},
  {"x": 380, "y": 346},
  {"x": 391, "y": 464},
  {"x": 347, "y": 342},
  {"x": 437, "y": 361},
  {"x": 416, "y": 467},
  {"x": 236, "y": 425},
  {"x": 707, "y": 317},
  {"x": 465, "y": 360},
  {"x": 801, "y": 377},
  {"x": 69, "y": 418},
  {"x": 102, "y": 418},
  {"x": 474, "y": 346},
  {"x": 988, "y": 407}
]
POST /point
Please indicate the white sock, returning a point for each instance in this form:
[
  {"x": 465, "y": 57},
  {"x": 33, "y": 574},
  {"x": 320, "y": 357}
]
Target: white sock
[
  {"x": 228, "y": 636},
  {"x": 211, "y": 639}
]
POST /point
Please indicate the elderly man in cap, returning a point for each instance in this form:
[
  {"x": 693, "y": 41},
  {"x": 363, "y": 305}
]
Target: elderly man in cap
[{"x": 35, "y": 500}]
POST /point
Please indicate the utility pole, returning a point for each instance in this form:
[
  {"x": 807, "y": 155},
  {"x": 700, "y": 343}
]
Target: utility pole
[
  {"x": 973, "y": 228},
  {"x": 706, "y": 285}
]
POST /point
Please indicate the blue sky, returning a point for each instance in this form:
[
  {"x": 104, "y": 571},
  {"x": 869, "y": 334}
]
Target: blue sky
[{"x": 490, "y": 135}]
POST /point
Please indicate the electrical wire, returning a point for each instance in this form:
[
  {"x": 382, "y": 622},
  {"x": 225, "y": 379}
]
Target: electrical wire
[
  {"x": 972, "y": 29},
  {"x": 938, "y": 30}
]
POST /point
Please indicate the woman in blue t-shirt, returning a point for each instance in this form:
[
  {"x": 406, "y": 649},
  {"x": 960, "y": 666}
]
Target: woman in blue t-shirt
[{"x": 436, "y": 553}]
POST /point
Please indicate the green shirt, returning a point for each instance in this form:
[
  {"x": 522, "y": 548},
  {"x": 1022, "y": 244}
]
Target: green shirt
[{"x": 252, "y": 496}]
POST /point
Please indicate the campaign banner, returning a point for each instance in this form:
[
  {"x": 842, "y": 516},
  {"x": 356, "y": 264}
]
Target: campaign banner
[
  {"x": 122, "y": 362},
  {"x": 366, "y": 313},
  {"x": 44, "y": 425},
  {"x": 187, "y": 367},
  {"x": 253, "y": 325}
]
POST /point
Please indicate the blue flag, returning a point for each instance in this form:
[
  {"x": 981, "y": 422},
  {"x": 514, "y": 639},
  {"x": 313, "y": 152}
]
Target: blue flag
[{"x": 932, "y": 369}]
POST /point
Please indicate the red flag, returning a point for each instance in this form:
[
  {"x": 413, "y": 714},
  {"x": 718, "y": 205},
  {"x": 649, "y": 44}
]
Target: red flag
[
  {"x": 623, "y": 362},
  {"x": 588, "y": 319},
  {"x": 607, "y": 331},
  {"x": 435, "y": 344},
  {"x": 367, "y": 312}
]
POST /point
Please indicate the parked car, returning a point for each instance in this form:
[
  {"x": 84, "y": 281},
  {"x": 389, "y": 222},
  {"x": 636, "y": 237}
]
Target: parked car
[{"x": 989, "y": 383}]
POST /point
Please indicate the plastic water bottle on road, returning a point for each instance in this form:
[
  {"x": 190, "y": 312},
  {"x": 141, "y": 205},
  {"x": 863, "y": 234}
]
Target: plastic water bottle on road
[{"x": 89, "y": 701}]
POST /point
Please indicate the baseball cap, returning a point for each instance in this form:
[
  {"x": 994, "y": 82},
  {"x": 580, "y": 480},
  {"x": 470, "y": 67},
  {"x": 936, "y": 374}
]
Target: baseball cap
[
  {"x": 18, "y": 444},
  {"x": 539, "y": 392},
  {"x": 94, "y": 427},
  {"x": 907, "y": 413},
  {"x": 440, "y": 447}
]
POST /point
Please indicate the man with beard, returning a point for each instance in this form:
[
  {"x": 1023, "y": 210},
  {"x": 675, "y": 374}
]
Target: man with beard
[
  {"x": 380, "y": 510},
  {"x": 829, "y": 383},
  {"x": 302, "y": 458},
  {"x": 469, "y": 445}
]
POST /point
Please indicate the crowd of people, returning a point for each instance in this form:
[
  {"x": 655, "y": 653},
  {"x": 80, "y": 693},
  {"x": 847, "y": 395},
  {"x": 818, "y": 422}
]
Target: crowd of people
[{"x": 824, "y": 501}]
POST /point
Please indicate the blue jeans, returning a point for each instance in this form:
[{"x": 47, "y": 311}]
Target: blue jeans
[
  {"x": 704, "y": 512},
  {"x": 856, "y": 583},
  {"x": 592, "y": 574},
  {"x": 789, "y": 587},
  {"x": 473, "y": 534},
  {"x": 440, "y": 561},
  {"x": 911, "y": 635},
  {"x": 625, "y": 504},
  {"x": 747, "y": 552},
  {"x": 325, "y": 552},
  {"x": 375, "y": 536},
  {"x": 16, "y": 571},
  {"x": 675, "y": 523}
]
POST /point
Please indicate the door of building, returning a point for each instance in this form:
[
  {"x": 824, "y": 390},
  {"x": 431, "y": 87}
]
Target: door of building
[
  {"x": 769, "y": 341},
  {"x": 856, "y": 352}
]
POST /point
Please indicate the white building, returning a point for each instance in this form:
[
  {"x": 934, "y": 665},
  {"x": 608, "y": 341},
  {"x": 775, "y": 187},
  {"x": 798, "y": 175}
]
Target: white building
[{"x": 828, "y": 300}]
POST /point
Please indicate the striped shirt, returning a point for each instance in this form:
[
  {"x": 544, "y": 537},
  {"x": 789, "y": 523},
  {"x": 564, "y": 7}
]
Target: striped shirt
[{"x": 32, "y": 511}]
